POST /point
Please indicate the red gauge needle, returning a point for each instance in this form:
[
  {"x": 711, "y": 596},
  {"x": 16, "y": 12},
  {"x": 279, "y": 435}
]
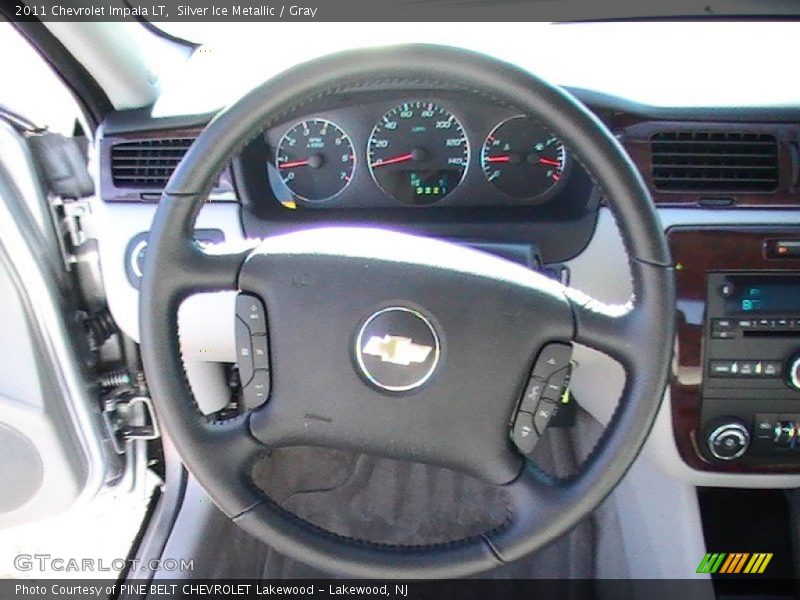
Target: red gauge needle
[
  {"x": 388, "y": 161},
  {"x": 291, "y": 165},
  {"x": 492, "y": 159},
  {"x": 547, "y": 161}
]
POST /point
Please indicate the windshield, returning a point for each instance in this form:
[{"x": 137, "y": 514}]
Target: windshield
[{"x": 655, "y": 63}]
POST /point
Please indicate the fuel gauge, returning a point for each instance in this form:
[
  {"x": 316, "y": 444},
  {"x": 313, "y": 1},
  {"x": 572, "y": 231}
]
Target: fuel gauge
[{"x": 522, "y": 159}]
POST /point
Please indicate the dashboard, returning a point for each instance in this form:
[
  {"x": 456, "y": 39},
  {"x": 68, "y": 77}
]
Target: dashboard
[
  {"x": 434, "y": 161},
  {"x": 457, "y": 166}
]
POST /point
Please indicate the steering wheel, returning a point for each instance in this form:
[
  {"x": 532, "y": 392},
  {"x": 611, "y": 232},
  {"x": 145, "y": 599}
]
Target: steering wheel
[{"x": 467, "y": 325}]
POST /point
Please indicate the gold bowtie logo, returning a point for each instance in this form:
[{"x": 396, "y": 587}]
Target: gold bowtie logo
[{"x": 396, "y": 349}]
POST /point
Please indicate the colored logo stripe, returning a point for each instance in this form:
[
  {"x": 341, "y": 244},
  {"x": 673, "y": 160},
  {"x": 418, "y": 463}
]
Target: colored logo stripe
[
  {"x": 758, "y": 563},
  {"x": 735, "y": 562},
  {"x": 711, "y": 563}
]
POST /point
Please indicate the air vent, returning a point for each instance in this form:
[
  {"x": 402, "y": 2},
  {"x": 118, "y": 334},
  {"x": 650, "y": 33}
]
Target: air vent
[
  {"x": 714, "y": 161},
  {"x": 147, "y": 164}
]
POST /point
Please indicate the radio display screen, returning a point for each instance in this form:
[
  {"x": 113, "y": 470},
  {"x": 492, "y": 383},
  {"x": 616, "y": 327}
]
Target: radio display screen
[{"x": 771, "y": 294}]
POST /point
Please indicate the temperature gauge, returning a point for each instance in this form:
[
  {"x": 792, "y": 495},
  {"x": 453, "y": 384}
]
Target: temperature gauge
[{"x": 522, "y": 159}]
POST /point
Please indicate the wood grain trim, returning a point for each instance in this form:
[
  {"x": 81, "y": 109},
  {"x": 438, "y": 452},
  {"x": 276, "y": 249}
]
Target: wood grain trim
[
  {"x": 635, "y": 137},
  {"x": 696, "y": 251}
]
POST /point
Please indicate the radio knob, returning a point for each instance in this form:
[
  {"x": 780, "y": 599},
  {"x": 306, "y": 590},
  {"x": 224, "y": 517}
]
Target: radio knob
[
  {"x": 729, "y": 440},
  {"x": 793, "y": 372}
]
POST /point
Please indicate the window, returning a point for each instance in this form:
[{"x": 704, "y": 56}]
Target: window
[{"x": 29, "y": 87}]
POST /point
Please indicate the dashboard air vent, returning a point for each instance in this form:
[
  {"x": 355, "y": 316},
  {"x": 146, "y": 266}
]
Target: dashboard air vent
[
  {"x": 147, "y": 164},
  {"x": 714, "y": 161}
]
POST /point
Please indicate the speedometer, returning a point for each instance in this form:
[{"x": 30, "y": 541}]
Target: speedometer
[{"x": 418, "y": 153}]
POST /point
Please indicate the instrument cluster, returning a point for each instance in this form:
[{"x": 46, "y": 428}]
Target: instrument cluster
[{"x": 440, "y": 149}]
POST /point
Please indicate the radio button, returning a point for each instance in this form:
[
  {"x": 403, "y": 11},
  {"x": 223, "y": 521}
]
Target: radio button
[
  {"x": 748, "y": 368},
  {"x": 772, "y": 368},
  {"x": 723, "y": 368},
  {"x": 721, "y": 324},
  {"x": 723, "y": 335}
]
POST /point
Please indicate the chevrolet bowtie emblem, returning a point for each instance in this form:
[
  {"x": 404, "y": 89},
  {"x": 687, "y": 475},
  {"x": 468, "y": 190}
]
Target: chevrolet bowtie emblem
[{"x": 396, "y": 349}]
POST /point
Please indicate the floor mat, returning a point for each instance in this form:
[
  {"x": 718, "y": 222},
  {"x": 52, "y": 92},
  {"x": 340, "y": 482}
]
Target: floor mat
[{"x": 394, "y": 502}]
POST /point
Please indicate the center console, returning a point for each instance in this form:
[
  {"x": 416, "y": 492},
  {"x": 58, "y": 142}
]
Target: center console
[{"x": 736, "y": 377}]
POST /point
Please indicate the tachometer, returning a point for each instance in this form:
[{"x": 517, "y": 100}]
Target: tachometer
[
  {"x": 315, "y": 160},
  {"x": 418, "y": 153},
  {"x": 523, "y": 159}
]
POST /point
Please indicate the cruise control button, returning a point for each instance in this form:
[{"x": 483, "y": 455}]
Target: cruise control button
[
  {"x": 244, "y": 351},
  {"x": 250, "y": 310},
  {"x": 524, "y": 435},
  {"x": 552, "y": 358},
  {"x": 260, "y": 351},
  {"x": 544, "y": 412},
  {"x": 257, "y": 391}
]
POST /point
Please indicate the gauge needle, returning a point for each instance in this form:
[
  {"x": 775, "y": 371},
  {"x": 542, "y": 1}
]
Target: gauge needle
[
  {"x": 291, "y": 165},
  {"x": 388, "y": 161},
  {"x": 315, "y": 161},
  {"x": 492, "y": 159},
  {"x": 547, "y": 161}
]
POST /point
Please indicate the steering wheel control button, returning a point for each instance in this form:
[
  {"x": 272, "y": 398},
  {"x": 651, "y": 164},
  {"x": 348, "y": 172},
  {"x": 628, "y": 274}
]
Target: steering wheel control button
[
  {"x": 523, "y": 434},
  {"x": 252, "y": 350},
  {"x": 260, "y": 345},
  {"x": 544, "y": 412},
  {"x": 556, "y": 385},
  {"x": 553, "y": 357},
  {"x": 729, "y": 441},
  {"x": 250, "y": 310},
  {"x": 244, "y": 352},
  {"x": 397, "y": 349},
  {"x": 255, "y": 393},
  {"x": 533, "y": 392},
  {"x": 543, "y": 393}
]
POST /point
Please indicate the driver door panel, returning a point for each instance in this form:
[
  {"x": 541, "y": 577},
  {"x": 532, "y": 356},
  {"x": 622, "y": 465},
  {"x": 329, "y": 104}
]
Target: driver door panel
[{"x": 56, "y": 453}]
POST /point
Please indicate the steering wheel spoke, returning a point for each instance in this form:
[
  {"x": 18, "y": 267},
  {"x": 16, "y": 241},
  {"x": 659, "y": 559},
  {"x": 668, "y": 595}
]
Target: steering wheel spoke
[
  {"x": 216, "y": 268},
  {"x": 603, "y": 327}
]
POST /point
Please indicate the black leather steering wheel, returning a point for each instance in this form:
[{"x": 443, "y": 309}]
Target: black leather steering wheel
[{"x": 490, "y": 319}]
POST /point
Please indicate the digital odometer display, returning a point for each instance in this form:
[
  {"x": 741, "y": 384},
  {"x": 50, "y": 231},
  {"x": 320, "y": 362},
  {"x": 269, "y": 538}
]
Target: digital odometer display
[{"x": 418, "y": 153}]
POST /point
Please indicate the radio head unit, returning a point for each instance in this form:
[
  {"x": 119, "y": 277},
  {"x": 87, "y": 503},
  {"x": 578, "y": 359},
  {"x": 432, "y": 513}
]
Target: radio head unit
[{"x": 751, "y": 369}]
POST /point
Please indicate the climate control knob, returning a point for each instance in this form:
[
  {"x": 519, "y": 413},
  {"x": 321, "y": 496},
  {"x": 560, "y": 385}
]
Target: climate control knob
[
  {"x": 793, "y": 372},
  {"x": 729, "y": 440}
]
